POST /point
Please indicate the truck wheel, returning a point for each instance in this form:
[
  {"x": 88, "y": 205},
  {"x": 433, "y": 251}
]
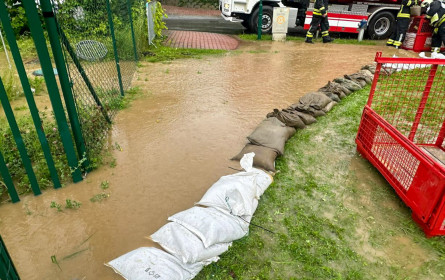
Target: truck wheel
[
  {"x": 381, "y": 25},
  {"x": 266, "y": 22}
]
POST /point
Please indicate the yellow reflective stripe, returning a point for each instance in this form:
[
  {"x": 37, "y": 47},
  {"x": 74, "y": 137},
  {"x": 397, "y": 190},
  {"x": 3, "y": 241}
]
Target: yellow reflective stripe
[
  {"x": 436, "y": 50},
  {"x": 317, "y": 14},
  {"x": 442, "y": 20},
  {"x": 322, "y": 8},
  {"x": 390, "y": 41},
  {"x": 403, "y": 15},
  {"x": 324, "y": 32},
  {"x": 397, "y": 43},
  {"x": 409, "y": 3},
  {"x": 309, "y": 34},
  {"x": 434, "y": 18}
]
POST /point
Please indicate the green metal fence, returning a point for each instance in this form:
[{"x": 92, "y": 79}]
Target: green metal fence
[
  {"x": 7, "y": 268},
  {"x": 94, "y": 46}
]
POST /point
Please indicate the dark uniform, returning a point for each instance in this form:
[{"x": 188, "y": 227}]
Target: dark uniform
[
  {"x": 436, "y": 14},
  {"x": 319, "y": 18},
  {"x": 403, "y": 20}
]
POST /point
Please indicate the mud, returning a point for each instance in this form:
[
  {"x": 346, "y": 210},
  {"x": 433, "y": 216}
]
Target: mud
[{"x": 172, "y": 144}]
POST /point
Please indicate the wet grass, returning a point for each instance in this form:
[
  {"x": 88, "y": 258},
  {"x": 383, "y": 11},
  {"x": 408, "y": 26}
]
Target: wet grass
[
  {"x": 334, "y": 215},
  {"x": 160, "y": 53},
  {"x": 266, "y": 37}
]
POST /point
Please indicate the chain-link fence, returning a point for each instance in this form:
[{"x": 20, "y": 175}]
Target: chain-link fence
[
  {"x": 101, "y": 45},
  {"x": 93, "y": 46}
]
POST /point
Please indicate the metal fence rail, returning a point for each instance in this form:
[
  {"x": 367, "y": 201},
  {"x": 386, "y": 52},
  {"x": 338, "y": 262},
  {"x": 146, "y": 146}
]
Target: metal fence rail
[{"x": 7, "y": 268}]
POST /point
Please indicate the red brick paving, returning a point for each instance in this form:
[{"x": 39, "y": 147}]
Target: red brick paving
[{"x": 200, "y": 40}]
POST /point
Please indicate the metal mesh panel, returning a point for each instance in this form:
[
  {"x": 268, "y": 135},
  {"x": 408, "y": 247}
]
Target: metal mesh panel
[
  {"x": 400, "y": 98},
  {"x": 91, "y": 57},
  {"x": 402, "y": 132},
  {"x": 388, "y": 151}
]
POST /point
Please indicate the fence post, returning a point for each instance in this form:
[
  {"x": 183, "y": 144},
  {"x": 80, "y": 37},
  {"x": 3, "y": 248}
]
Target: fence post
[
  {"x": 51, "y": 84},
  {"x": 18, "y": 140},
  {"x": 7, "y": 268},
  {"x": 132, "y": 31},
  {"x": 8, "y": 180},
  {"x": 65, "y": 83},
  {"x": 10, "y": 36},
  {"x": 116, "y": 55}
]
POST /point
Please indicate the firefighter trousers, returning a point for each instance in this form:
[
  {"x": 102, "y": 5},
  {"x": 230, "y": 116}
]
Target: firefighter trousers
[
  {"x": 438, "y": 37},
  {"x": 398, "y": 35},
  {"x": 318, "y": 21}
]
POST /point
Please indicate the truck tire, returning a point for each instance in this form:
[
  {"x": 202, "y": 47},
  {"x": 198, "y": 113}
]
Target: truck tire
[
  {"x": 381, "y": 25},
  {"x": 267, "y": 20}
]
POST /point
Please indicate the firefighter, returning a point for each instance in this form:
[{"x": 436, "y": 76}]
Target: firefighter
[
  {"x": 319, "y": 18},
  {"x": 436, "y": 14},
  {"x": 403, "y": 20}
]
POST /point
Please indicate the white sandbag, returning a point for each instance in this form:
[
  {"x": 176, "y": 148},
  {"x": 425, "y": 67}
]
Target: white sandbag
[
  {"x": 151, "y": 263},
  {"x": 238, "y": 192},
  {"x": 185, "y": 245},
  {"x": 211, "y": 225}
]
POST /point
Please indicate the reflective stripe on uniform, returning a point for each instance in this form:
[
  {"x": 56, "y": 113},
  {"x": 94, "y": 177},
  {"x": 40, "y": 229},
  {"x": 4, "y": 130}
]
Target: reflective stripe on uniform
[
  {"x": 436, "y": 50},
  {"x": 324, "y": 33},
  {"x": 397, "y": 43},
  {"x": 317, "y": 12},
  {"x": 434, "y": 19},
  {"x": 403, "y": 15},
  {"x": 390, "y": 41},
  {"x": 309, "y": 34}
]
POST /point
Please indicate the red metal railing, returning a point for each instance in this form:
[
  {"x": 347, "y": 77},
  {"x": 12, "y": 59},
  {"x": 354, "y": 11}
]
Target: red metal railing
[{"x": 402, "y": 134}]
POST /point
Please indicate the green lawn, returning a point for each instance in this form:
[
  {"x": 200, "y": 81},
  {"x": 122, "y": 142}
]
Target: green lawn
[{"x": 334, "y": 216}]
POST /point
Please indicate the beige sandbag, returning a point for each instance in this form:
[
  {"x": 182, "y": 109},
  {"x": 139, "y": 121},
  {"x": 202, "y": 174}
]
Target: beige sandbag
[
  {"x": 264, "y": 156},
  {"x": 271, "y": 133}
]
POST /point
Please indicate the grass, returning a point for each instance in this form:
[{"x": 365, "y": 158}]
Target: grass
[
  {"x": 162, "y": 53},
  {"x": 267, "y": 37},
  {"x": 334, "y": 215}
]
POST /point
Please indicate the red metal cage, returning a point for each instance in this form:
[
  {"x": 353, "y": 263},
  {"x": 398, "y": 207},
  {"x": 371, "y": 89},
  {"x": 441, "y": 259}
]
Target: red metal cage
[
  {"x": 419, "y": 35},
  {"x": 402, "y": 134}
]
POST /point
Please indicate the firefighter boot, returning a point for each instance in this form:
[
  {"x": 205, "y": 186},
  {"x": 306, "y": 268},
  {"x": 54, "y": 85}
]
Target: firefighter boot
[
  {"x": 436, "y": 54},
  {"x": 308, "y": 40},
  {"x": 328, "y": 39}
]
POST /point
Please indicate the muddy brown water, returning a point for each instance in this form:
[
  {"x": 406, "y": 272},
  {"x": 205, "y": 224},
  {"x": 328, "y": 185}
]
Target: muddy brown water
[{"x": 175, "y": 142}]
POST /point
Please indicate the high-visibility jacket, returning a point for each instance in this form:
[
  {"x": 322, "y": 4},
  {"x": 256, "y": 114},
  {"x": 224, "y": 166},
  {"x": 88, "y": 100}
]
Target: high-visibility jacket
[
  {"x": 404, "y": 11},
  {"x": 436, "y": 14},
  {"x": 320, "y": 7}
]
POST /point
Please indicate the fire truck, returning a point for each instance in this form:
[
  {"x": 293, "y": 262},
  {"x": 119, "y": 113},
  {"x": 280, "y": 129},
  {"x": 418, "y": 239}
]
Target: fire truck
[{"x": 344, "y": 15}]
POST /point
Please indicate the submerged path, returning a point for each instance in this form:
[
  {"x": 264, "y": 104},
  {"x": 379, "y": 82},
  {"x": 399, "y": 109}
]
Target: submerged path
[{"x": 200, "y": 40}]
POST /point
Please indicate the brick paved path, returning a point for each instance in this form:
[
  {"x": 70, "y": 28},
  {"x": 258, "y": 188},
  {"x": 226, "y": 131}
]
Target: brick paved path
[{"x": 200, "y": 40}]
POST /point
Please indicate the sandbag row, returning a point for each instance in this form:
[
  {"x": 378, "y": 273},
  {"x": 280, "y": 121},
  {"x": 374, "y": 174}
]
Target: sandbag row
[
  {"x": 268, "y": 139},
  {"x": 197, "y": 236}
]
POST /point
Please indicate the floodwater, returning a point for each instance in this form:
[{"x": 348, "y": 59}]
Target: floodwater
[{"x": 172, "y": 144}]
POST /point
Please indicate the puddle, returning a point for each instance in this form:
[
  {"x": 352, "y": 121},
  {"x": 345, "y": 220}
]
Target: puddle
[{"x": 175, "y": 142}]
